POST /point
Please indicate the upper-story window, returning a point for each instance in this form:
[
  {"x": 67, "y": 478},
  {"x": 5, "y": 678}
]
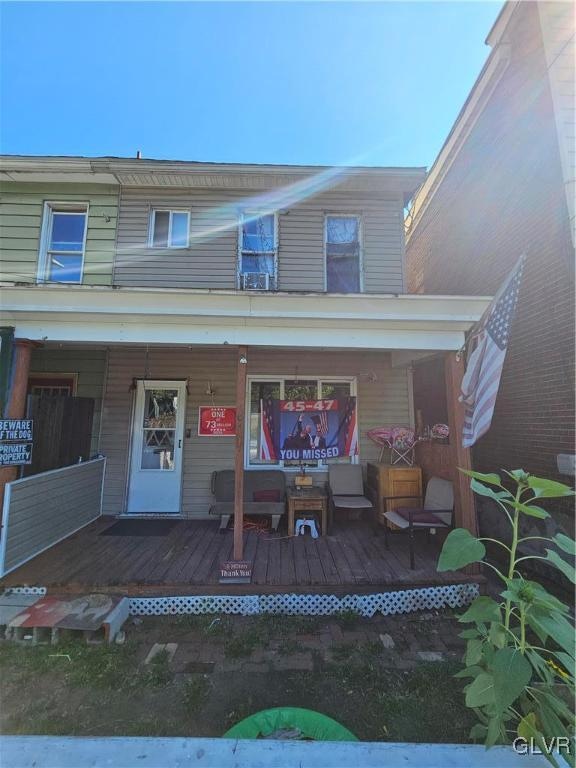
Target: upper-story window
[
  {"x": 63, "y": 243},
  {"x": 343, "y": 262},
  {"x": 169, "y": 229},
  {"x": 258, "y": 251}
]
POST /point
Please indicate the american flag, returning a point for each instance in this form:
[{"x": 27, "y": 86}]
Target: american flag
[
  {"x": 321, "y": 421},
  {"x": 489, "y": 342},
  {"x": 267, "y": 431},
  {"x": 348, "y": 429}
]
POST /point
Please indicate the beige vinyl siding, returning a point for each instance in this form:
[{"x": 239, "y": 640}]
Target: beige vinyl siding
[
  {"x": 90, "y": 367},
  {"x": 45, "y": 508},
  {"x": 21, "y": 212},
  {"x": 385, "y": 400},
  {"x": 211, "y": 259}
]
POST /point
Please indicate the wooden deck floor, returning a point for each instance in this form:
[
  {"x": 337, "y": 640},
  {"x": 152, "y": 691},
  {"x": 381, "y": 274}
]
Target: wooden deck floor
[{"x": 186, "y": 560}]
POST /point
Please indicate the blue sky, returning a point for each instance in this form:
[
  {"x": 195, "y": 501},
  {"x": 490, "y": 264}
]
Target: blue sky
[{"x": 319, "y": 83}]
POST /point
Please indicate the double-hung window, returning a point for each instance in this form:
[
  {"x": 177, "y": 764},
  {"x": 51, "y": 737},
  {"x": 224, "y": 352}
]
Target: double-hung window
[
  {"x": 63, "y": 243},
  {"x": 258, "y": 250},
  {"x": 261, "y": 389},
  {"x": 343, "y": 254},
  {"x": 169, "y": 229}
]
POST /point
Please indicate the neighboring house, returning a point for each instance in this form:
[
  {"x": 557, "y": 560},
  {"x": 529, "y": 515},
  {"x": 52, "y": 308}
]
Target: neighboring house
[
  {"x": 503, "y": 185},
  {"x": 297, "y": 270}
]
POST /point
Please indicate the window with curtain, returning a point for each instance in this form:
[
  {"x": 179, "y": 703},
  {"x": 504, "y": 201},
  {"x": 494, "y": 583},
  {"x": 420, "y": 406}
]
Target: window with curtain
[
  {"x": 258, "y": 245},
  {"x": 342, "y": 254}
]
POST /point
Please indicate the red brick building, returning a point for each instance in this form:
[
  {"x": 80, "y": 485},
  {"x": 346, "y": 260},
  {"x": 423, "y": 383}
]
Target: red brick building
[{"x": 503, "y": 185}]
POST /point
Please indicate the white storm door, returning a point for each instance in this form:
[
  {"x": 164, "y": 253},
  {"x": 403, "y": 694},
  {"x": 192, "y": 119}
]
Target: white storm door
[{"x": 156, "y": 457}]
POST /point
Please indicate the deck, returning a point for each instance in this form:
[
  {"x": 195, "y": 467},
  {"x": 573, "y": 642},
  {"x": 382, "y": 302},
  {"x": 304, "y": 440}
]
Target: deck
[{"x": 186, "y": 561}]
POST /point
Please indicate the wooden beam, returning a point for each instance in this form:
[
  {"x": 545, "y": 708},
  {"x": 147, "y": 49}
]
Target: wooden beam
[
  {"x": 464, "y": 509},
  {"x": 16, "y": 401},
  {"x": 241, "y": 371}
]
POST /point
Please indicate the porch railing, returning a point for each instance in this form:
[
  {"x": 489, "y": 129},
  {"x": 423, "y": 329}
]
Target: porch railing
[{"x": 41, "y": 510}]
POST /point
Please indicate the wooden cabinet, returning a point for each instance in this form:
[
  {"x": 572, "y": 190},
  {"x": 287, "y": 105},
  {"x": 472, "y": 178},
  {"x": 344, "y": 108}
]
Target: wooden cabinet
[{"x": 387, "y": 480}]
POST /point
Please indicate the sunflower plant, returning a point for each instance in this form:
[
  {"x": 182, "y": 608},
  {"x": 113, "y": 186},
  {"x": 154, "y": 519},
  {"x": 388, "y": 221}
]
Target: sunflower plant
[{"x": 520, "y": 648}]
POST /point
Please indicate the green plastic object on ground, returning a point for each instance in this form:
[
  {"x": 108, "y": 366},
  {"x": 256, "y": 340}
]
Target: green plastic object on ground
[{"x": 287, "y": 720}]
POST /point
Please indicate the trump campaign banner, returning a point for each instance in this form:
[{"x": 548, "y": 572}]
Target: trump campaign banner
[{"x": 304, "y": 430}]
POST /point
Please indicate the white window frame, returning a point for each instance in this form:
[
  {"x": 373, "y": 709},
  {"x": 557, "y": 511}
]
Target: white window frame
[
  {"x": 152, "y": 222},
  {"x": 281, "y": 379},
  {"x": 51, "y": 207},
  {"x": 337, "y": 215},
  {"x": 255, "y": 213}
]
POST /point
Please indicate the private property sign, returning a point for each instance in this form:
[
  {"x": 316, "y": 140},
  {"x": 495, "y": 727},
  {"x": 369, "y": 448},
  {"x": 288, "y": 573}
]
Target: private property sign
[
  {"x": 15, "y": 442},
  {"x": 15, "y": 454},
  {"x": 216, "y": 421}
]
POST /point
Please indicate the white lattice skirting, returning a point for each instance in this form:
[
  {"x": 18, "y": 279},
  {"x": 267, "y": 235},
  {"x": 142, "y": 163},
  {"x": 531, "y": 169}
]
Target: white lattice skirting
[{"x": 387, "y": 603}]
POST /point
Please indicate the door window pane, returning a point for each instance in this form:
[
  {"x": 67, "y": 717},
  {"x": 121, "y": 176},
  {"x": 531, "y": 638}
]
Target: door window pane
[
  {"x": 160, "y": 408},
  {"x": 158, "y": 449}
]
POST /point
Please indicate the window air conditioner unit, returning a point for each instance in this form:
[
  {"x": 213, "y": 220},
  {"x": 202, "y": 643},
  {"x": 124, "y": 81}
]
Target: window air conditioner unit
[{"x": 256, "y": 281}]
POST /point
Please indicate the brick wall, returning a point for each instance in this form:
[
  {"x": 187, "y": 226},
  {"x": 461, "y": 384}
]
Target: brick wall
[{"x": 504, "y": 196}]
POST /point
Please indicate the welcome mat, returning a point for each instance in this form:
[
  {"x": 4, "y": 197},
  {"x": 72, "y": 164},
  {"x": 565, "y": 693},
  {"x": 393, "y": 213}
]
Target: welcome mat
[{"x": 140, "y": 528}]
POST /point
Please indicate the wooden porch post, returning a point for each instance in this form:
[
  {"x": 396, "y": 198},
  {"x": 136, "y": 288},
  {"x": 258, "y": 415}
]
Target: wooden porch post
[
  {"x": 464, "y": 509},
  {"x": 241, "y": 370},
  {"x": 16, "y": 401}
]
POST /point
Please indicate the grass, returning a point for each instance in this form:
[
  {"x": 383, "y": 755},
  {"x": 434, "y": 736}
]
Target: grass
[
  {"x": 75, "y": 689},
  {"x": 195, "y": 695}
]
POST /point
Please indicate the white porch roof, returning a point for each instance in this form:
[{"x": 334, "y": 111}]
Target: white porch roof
[{"x": 105, "y": 315}]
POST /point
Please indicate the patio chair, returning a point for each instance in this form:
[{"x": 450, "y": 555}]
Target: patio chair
[
  {"x": 437, "y": 511},
  {"x": 346, "y": 489},
  {"x": 403, "y": 440}
]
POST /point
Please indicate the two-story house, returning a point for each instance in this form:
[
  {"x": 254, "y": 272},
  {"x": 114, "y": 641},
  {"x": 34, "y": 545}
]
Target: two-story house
[{"x": 158, "y": 287}]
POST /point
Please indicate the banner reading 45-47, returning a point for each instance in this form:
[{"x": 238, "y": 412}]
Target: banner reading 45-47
[{"x": 305, "y": 430}]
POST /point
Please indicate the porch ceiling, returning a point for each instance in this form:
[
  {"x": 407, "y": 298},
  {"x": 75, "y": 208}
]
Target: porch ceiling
[{"x": 170, "y": 316}]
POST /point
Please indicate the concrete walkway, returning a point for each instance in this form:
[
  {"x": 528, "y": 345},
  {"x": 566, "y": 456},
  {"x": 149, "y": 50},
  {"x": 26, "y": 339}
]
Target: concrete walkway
[{"x": 69, "y": 752}]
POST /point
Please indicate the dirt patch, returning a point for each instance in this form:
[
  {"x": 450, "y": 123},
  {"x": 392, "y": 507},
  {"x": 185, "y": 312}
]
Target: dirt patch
[{"x": 226, "y": 668}]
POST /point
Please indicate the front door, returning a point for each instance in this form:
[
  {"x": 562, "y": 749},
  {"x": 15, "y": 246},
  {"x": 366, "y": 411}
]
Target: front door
[{"x": 156, "y": 458}]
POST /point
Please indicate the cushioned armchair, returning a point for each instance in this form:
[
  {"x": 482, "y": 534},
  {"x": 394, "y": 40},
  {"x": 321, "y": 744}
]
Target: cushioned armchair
[{"x": 436, "y": 511}]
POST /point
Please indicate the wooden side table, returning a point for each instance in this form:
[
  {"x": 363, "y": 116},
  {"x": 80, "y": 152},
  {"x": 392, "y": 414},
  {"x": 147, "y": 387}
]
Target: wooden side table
[{"x": 309, "y": 499}]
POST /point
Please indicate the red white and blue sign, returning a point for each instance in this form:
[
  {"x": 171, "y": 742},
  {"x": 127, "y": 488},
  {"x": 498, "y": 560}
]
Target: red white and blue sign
[{"x": 307, "y": 430}]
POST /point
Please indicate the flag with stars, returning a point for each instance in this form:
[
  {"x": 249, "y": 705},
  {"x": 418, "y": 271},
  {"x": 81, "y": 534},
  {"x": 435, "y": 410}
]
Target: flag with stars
[
  {"x": 348, "y": 429},
  {"x": 268, "y": 430},
  {"x": 488, "y": 344}
]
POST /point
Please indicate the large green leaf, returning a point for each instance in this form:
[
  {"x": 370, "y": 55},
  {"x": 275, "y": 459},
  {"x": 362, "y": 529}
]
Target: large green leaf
[
  {"x": 552, "y": 625},
  {"x": 491, "y": 478},
  {"x": 567, "y": 569},
  {"x": 460, "y": 549},
  {"x": 473, "y": 652},
  {"x": 565, "y": 543},
  {"x": 484, "y": 490},
  {"x": 528, "y": 509},
  {"x": 482, "y": 609},
  {"x": 481, "y": 691},
  {"x": 469, "y": 671},
  {"x": 549, "y": 489},
  {"x": 512, "y": 673},
  {"x": 528, "y": 729},
  {"x": 497, "y": 635}
]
